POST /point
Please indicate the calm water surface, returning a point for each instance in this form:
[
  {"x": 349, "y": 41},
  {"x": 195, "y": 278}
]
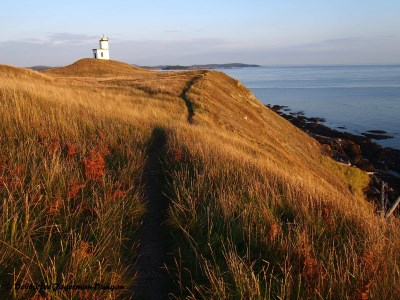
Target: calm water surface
[{"x": 359, "y": 98}]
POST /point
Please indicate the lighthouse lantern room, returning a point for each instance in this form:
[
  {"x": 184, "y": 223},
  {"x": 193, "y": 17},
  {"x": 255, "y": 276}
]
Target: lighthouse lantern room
[{"x": 103, "y": 51}]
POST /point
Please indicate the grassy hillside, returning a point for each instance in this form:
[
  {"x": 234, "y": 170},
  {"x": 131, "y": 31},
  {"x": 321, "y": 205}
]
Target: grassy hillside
[{"x": 254, "y": 209}]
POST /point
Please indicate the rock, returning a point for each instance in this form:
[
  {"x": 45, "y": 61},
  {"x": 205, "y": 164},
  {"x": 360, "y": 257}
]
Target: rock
[
  {"x": 278, "y": 108},
  {"x": 316, "y": 120},
  {"x": 357, "y": 150},
  {"x": 377, "y": 131},
  {"x": 365, "y": 165},
  {"x": 377, "y": 136}
]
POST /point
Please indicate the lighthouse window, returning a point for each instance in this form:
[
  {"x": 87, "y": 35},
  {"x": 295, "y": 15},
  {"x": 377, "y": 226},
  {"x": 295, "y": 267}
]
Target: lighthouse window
[{"x": 101, "y": 54}]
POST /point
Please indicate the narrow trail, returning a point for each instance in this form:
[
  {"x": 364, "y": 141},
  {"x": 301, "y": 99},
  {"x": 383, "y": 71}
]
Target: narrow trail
[
  {"x": 152, "y": 278},
  {"x": 184, "y": 96}
]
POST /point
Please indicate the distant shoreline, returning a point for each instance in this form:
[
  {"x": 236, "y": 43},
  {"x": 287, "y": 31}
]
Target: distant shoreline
[{"x": 200, "y": 67}]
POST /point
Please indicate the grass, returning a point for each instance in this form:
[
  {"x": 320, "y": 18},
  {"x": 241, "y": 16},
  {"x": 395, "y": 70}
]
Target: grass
[{"x": 257, "y": 212}]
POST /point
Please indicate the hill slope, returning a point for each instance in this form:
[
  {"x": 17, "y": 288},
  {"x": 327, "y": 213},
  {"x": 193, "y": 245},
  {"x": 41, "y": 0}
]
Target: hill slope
[
  {"x": 93, "y": 67},
  {"x": 250, "y": 207}
]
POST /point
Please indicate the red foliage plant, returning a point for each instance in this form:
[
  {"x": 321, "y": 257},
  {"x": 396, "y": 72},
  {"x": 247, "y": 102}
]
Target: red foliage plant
[
  {"x": 363, "y": 292},
  {"x": 118, "y": 194},
  {"x": 102, "y": 135},
  {"x": 11, "y": 176},
  {"x": 103, "y": 149},
  {"x": 177, "y": 155},
  {"x": 94, "y": 166},
  {"x": 71, "y": 149},
  {"x": 273, "y": 232},
  {"x": 42, "y": 134},
  {"x": 51, "y": 143},
  {"x": 54, "y": 146},
  {"x": 3, "y": 165},
  {"x": 74, "y": 188}
]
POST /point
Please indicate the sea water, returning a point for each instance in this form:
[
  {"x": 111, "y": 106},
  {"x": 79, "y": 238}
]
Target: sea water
[{"x": 355, "y": 99}]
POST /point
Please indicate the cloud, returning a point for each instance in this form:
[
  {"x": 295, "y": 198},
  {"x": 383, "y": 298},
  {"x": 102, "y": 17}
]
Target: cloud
[
  {"x": 55, "y": 49},
  {"x": 179, "y": 51},
  {"x": 72, "y": 38},
  {"x": 28, "y": 53},
  {"x": 350, "y": 41},
  {"x": 56, "y": 38},
  {"x": 347, "y": 50}
]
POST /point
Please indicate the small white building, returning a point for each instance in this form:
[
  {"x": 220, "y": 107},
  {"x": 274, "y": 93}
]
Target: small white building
[{"x": 103, "y": 52}]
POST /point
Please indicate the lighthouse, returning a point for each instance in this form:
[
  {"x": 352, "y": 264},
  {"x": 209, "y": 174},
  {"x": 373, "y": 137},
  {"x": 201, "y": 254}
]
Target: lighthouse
[{"x": 103, "y": 52}]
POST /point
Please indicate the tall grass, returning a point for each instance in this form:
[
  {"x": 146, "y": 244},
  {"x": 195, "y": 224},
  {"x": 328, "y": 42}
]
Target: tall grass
[
  {"x": 256, "y": 236},
  {"x": 257, "y": 212},
  {"x": 70, "y": 190},
  {"x": 264, "y": 222}
]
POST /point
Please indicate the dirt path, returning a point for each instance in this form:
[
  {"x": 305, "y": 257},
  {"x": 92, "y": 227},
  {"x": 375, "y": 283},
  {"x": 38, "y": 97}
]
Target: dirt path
[
  {"x": 184, "y": 95},
  {"x": 152, "y": 278}
]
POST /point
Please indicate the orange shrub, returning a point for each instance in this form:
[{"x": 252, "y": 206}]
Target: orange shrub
[{"x": 94, "y": 166}]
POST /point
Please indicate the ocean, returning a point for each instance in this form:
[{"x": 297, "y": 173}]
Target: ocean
[{"x": 354, "y": 99}]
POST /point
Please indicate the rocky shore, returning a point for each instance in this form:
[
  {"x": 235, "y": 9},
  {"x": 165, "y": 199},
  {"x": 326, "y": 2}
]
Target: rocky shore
[{"x": 383, "y": 164}]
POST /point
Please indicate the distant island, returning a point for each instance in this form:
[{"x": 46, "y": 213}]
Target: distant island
[{"x": 200, "y": 67}]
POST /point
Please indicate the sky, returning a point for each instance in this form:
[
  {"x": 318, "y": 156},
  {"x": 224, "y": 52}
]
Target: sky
[{"x": 155, "y": 32}]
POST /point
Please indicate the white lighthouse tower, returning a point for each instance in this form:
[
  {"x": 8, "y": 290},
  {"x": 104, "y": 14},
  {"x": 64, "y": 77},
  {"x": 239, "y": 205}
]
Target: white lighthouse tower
[{"x": 103, "y": 52}]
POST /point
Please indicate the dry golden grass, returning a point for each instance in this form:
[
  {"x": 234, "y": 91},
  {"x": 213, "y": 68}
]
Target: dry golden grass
[{"x": 256, "y": 210}]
